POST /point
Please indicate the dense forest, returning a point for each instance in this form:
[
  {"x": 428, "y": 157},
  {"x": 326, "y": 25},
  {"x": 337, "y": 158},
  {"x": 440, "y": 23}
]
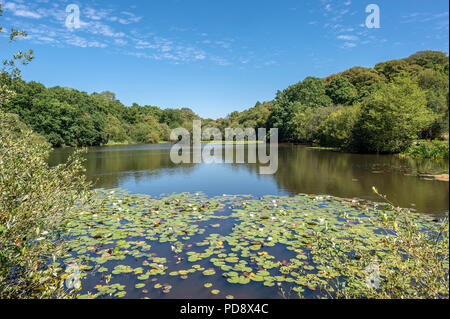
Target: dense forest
[
  {"x": 381, "y": 109},
  {"x": 66, "y": 116}
]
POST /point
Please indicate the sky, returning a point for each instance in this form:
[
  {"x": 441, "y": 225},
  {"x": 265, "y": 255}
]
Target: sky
[{"x": 213, "y": 56}]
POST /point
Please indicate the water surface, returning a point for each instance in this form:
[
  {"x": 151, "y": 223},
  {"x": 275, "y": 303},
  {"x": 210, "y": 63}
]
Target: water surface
[{"x": 147, "y": 169}]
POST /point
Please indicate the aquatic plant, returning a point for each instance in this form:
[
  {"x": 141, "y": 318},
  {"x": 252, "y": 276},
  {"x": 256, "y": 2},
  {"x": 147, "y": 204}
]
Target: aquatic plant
[{"x": 307, "y": 246}]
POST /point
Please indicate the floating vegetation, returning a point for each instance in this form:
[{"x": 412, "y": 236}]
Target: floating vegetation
[{"x": 267, "y": 247}]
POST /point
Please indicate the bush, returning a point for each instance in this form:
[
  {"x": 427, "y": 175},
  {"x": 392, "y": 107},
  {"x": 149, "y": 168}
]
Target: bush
[
  {"x": 35, "y": 201},
  {"x": 410, "y": 260},
  {"x": 429, "y": 149}
]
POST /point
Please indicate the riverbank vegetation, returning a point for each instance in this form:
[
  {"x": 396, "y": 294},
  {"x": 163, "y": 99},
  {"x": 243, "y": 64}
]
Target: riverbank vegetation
[
  {"x": 381, "y": 109},
  {"x": 365, "y": 110},
  {"x": 435, "y": 149},
  {"x": 68, "y": 117},
  {"x": 35, "y": 202}
]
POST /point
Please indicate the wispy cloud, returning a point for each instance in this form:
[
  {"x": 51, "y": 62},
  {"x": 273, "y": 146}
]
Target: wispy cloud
[
  {"x": 21, "y": 10},
  {"x": 336, "y": 16},
  {"x": 348, "y": 45},
  {"x": 348, "y": 37},
  {"x": 121, "y": 31}
]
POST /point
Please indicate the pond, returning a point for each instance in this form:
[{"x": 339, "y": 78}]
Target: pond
[
  {"x": 147, "y": 169},
  {"x": 160, "y": 230}
]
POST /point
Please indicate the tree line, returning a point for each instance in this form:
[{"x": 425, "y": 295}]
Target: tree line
[
  {"x": 68, "y": 117},
  {"x": 381, "y": 109}
]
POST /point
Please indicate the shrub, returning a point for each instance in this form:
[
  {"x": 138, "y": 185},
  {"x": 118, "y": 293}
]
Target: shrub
[
  {"x": 35, "y": 201},
  {"x": 429, "y": 149},
  {"x": 409, "y": 260}
]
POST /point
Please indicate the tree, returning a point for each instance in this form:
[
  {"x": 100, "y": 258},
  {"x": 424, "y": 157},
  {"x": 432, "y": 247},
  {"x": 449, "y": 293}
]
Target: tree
[
  {"x": 367, "y": 91},
  {"x": 281, "y": 118},
  {"x": 310, "y": 92},
  {"x": 10, "y": 66},
  {"x": 390, "y": 69},
  {"x": 428, "y": 58},
  {"x": 336, "y": 130},
  {"x": 361, "y": 77},
  {"x": 115, "y": 130},
  {"x": 306, "y": 122},
  {"x": 341, "y": 91},
  {"x": 391, "y": 118},
  {"x": 436, "y": 86},
  {"x": 147, "y": 130}
]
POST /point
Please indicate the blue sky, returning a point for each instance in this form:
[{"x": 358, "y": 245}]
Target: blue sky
[{"x": 214, "y": 56}]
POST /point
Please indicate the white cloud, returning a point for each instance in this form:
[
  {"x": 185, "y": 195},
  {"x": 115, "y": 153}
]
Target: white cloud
[
  {"x": 84, "y": 43},
  {"x": 102, "y": 28},
  {"x": 20, "y": 10},
  {"x": 348, "y": 37},
  {"x": 349, "y": 45},
  {"x": 120, "y": 42},
  {"x": 130, "y": 18}
]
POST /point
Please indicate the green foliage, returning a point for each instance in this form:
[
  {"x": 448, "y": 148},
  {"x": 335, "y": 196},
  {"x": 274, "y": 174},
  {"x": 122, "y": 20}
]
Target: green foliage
[
  {"x": 64, "y": 116},
  {"x": 428, "y": 58},
  {"x": 146, "y": 131},
  {"x": 310, "y": 92},
  {"x": 35, "y": 201},
  {"x": 10, "y": 66},
  {"x": 282, "y": 118},
  {"x": 391, "y": 69},
  {"x": 331, "y": 246},
  {"x": 67, "y": 117},
  {"x": 336, "y": 130},
  {"x": 392, "y": 117},
  {"x": 255, "y": 117},
  {"x": 411, "y": 260},
  {"x": 306, "y": 123},
  {"x": 386, "y": 107},
  {"x": 361, "y": 77},
  {"x": 367, "y": 91},
  {"x": 341, "y": 91},
  {"x": 436, "y": 86},
  {"x": 115, "y": 130},
  {"x": 294, "y": 105},
  {"x": 429, "y": 149}
]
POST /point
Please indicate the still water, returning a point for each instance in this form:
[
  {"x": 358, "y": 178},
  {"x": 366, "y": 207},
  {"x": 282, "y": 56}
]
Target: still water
[{"x": 147, "y": 169}]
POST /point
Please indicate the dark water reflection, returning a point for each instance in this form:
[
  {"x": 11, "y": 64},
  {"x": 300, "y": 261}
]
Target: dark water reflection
[{"x": 147, "y": 169}]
